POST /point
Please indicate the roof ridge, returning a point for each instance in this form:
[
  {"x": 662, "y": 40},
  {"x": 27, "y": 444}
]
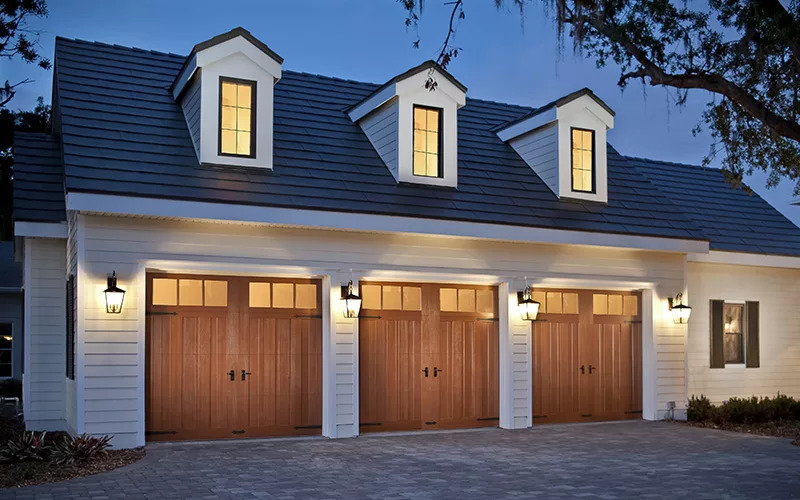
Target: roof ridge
[{"x": 118, "y": 46}]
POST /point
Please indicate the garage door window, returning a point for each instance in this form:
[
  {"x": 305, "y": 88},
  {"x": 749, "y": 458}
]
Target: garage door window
[
  {"x": 190, "y": 292},
  {"x": 283, "y": 295}
]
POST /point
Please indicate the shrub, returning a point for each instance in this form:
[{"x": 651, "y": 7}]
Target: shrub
[
  {"x": 699, "y": 409},
  {"x": 10, "y": 427},
  {"x": 25, "y": 446},
  {"x": 11, "y": 389},
  {"x": 79, "y": 449},
  {"x": 752, "y": 410}
]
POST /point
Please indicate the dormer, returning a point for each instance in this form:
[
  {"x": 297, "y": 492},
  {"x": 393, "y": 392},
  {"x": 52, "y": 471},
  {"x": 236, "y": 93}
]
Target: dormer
[
  {"x": 564, "y": 142},
  {"x": 412, "y": 122},
  {"x": 226, "y": 91}
]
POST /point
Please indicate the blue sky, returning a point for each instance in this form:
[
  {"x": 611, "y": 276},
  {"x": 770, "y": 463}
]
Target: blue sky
[{"x": 503, "y": 59}]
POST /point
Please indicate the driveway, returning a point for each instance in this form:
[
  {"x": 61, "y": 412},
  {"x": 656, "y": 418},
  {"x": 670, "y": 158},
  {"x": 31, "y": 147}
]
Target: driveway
[{"x": 631, "y": 459}]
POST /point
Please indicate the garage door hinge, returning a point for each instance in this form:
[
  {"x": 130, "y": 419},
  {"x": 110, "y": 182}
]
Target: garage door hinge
[
  {"x": 633, "y": 321},
  {"x": 488, "y": 319},
  {"x": 539, "y": 416},
  {"x": 308, "y": 427},
  {"x": 370, "y": 424},
  {"x": 364, "y": 316},
  {"x": 158, "y": 433},
  {"x": 486, "y": 419},
  {"x": 586, "y": 415},
  {"x": 160, "y": 313},
  {"x": 307, "y": 315},
  {"x": 633, "y": 412}
]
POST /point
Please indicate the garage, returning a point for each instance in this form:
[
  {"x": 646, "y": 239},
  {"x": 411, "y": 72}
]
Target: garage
[
  {"x": 587, "y": 356},
  {"x": 428, "y": 357},
  {"x": 232, "y": 356}
]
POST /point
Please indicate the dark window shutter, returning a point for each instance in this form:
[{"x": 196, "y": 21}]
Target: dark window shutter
[
  {"x": 717, "y": 334},
  {"x": 752, "y": 356},
  {"x": 71, "y": 327}
]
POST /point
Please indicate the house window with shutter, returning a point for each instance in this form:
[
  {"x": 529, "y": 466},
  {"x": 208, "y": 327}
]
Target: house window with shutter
[{"x": 734, "y": 334}]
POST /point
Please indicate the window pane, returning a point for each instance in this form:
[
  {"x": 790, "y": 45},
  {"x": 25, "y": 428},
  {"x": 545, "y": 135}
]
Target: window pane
[
  {"x": 419, "y": 118},
  {"x": 587, "y": 139},
  {"x": 243, "y": 97},
  {"x": 228, "y": 117},
  {"x": 243, "y": 143},
  {"x": 419, "y": 164},
  {"x": 305, "y": 296},
  {"x": 215, "y": 293},
  {"x": 587, "y": 159},
  {"x": 630, "y": 305},
  {"x": 165, "y": 292},
  {"x": 485, "y": 301},
  {"x": 587, "y": 180},
  {"x": 733, "y": 317},
  {"x": 433, "y": 120},
  {"x": 577, "y": 180},
  {"x": 577, "y": 142},
  {"x": 448, "y": 299},
  {"x": 259, "y": 294},
  {"x": 433, "y": 142},
  {"x": 228, "y": 141},
  {"x": 419, "y": 140},
  {"x": 433, "y": 165},
  {"x": 570, "y": 303},
  {"x": 466, "y": 300},
  {"x": 392, "y": 298},
  {"x": 283, "y": 295},
  {"x": 5, "y": 336},
  {"x": 541, "y": 298},
  {"x": 412, "y": 298},
  {"x": 190, "y": 292},
  {"x": 615, "y": 304},
  {"x": 371, "y": 296},
  {"x": 228, "y": 94},
  {"x": 243, "y": 119},
  {"x": 600, "y": 303},
  {"x": 554, "y": 302},
  {"x": 734, "y": 348}
]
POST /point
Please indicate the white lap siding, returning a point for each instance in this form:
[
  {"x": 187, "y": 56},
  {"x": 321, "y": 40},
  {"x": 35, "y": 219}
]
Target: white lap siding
[
  {"x": 43, "y": 380},
  {"x": 778, "y": 293},
  {"x": 114, "y": 344}
]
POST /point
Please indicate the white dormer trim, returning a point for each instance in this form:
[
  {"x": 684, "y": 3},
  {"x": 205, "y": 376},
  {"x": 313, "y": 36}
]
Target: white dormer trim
[
  {"x": 386, "y": 116},
  {"x": 544, "y": 140},
  {"x": 234, "y": 55}
]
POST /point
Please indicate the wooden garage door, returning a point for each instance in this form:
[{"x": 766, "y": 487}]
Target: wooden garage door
[
  {"x": 232, "y": 357},
  {"x": 428, "y": 356},
  {"x": 587, "y": 356}
]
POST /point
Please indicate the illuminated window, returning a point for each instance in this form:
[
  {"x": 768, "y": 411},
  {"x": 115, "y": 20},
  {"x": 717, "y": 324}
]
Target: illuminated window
[
  {"x": 734, "y": 333},
  {"x": 583, "y": 160},
  {"x": 427, "y": 142},
  {"x": 237, "y": 117},
  {"x": 5, "y": 350}
]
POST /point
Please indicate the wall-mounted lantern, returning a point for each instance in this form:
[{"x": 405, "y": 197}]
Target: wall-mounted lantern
[
  {"x": 350, "y": 301},
  {"x": 528, "y": 308},
  {"x": 680, "y": 311},
  {"x": 114, "y": 295}
]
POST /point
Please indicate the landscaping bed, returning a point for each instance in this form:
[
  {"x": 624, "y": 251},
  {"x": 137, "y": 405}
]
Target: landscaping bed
[
  {"x": 29, "y": 458},
  {"x": 778, "y": 416}
]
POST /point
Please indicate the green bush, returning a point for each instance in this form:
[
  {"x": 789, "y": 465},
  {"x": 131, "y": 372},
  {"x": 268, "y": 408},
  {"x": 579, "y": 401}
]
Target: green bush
[
  {"x": 752, "y": 410},
  {"x": 79, "y": 449},
  {"x": 699, "y": 409}
]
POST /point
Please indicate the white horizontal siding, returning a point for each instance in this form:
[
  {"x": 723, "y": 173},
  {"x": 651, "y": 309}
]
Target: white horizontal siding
[
  {"x": 113, "y": 344},
  {"x": 539, "y": 149},
  {"x": 778, "y": 294},
  {"x": 45, "y": 266},
  {"x": 380, "y": 128}
]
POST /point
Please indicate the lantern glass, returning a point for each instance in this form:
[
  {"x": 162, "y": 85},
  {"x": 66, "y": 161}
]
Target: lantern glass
[
  {"x": 351, "y": 301},
  {"x": 115, "y": 296},
  {"x": 681, "y": 313},
  {"x": 528, "y": 308}
]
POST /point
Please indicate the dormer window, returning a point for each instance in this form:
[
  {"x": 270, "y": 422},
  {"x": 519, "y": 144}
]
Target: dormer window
[
  {"x": 427, "y": 141},
  {"x": 583, "y": 160},
  {"x": 237, "y": 117}
]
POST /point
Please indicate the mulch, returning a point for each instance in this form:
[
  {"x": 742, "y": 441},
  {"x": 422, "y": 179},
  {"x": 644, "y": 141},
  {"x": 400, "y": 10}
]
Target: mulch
[
  {"x": 17, "y": 475},
  {"x": 784, "y": 428}
]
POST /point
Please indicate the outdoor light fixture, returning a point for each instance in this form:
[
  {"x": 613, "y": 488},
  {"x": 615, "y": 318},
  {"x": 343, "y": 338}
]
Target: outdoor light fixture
[
  {"x": 114, "y": 295},
  {"x": 680, "y": 312},
  {"x": 351, "y": 301},
  {"x": 528, "y": 308}
]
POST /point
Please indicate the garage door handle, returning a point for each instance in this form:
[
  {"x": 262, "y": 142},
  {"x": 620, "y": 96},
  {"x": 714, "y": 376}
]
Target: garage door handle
[
  {"x": 245, "y": 373},
  {"x": 436, "y": 371},
  {"x": 591, "y": 368},
  {"x": 583, "y": 369},
  {"x": 425, "y": 371},
  {"x": 232, "y": 375}
]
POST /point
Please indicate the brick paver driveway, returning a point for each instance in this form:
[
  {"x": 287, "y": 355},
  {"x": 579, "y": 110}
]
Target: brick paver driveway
[{"x": 632, "y": 459}]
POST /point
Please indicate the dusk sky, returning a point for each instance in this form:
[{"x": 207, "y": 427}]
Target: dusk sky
[{"x": 502, "y": 59}]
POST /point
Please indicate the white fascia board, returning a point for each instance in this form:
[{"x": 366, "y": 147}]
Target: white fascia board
[
  {"x": 41, "y": 229},
  {"x": 745, "y": 259},
  {"x": 155, "y": 207},
  {"x": 185, "y": 76},
  {"x": 527, "y": 125},
  {"x": 444, "y": 86},
  {"x": 584, "y": 104},
  {"x": 373, "y": 103}
]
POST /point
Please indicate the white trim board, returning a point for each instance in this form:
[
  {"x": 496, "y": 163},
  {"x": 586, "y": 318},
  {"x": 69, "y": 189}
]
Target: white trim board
[
  {"x": 745, "y": 259},
  {"x": 41, "y": 229},
  {"x": 179, "y": 209}
]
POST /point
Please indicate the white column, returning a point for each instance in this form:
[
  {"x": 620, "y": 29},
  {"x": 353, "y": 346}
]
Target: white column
[
  {"x": 339, "y": 362},
  {"x": 515, "y": 361},
  {"x": 649, "y": 378}
]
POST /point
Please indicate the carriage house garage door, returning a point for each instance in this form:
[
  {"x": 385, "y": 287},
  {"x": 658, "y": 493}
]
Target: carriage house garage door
[
  {"x": 428, "y": 356},
  {"x": 232, "y": 357},
  {"x": 587, "y": 356}
]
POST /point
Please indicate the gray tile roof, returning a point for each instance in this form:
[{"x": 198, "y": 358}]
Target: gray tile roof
[
  {"x": 123, "y": 133},
  {"x": 732, "y": 219},
  {"x": 38, "y": 178}
]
